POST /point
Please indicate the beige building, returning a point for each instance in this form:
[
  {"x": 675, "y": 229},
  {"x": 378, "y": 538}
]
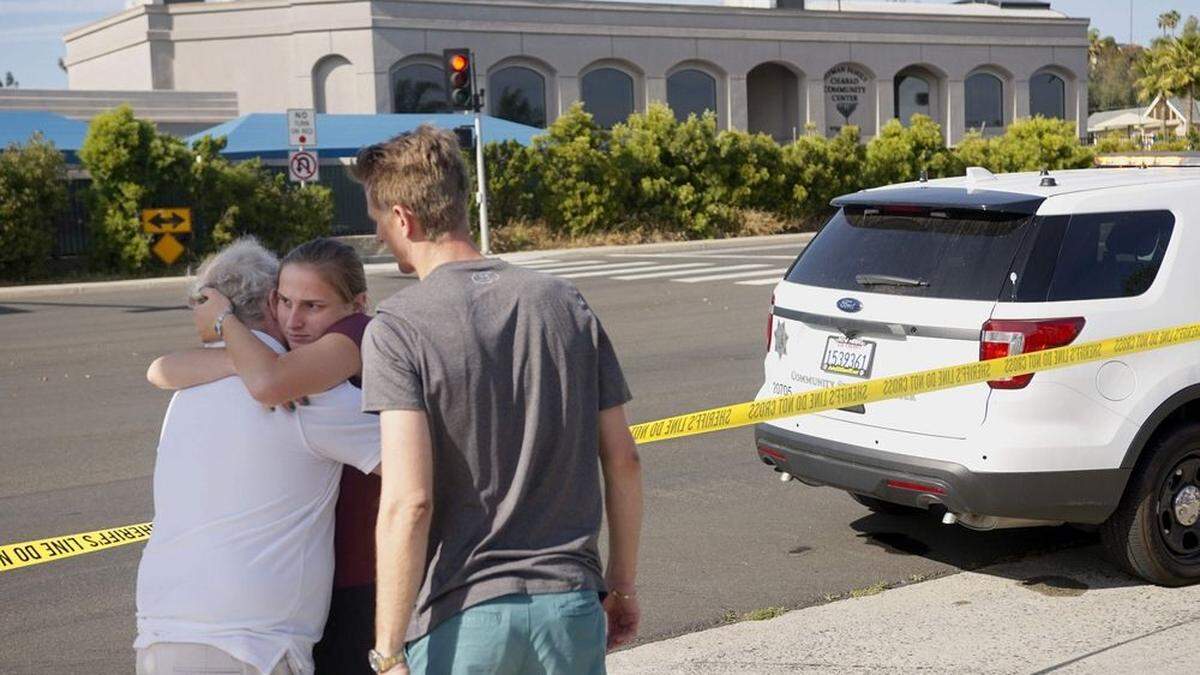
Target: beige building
[{"x": 759, "y": 66}]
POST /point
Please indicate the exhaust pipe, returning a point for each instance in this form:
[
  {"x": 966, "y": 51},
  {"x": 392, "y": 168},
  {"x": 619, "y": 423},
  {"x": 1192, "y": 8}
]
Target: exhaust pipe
[
  {"x": 784, "y": 477},
  {"x": 980, "y": 523}
]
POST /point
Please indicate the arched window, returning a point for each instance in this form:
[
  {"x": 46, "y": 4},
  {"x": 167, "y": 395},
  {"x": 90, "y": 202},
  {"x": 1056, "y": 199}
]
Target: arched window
[
  {"x": 912, "y": 97},
  {"x": 691, "y": 91},
  {"x": 607, "y": 94},
  {"x": 985, "y": 101},
  {"x": 1048, "y": 96},
  {"x": 518, "y": 94},
  {"x": 419, "y": 88},
  {"x": 333, "y": 85}
]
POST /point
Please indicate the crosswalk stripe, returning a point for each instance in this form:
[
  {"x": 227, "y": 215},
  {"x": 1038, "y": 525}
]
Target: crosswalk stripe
[
  {"x": 773, "y": 273},
  {"x": 729, "y": 272},
  {"x": 761, "y": 282},
  {"x": 674, "y": 270},
  {"x": 542, "y": 262},
  {"x": 564, "y": 266},
  {"x": 607, "y": 270}
]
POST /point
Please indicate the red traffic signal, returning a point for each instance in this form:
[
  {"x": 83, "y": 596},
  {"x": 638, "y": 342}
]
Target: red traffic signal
[{"x": 460, "y": 80}]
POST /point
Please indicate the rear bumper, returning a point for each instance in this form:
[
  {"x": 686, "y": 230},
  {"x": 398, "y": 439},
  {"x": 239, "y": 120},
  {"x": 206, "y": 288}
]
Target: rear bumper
[{"x": 1069, "y": 496}]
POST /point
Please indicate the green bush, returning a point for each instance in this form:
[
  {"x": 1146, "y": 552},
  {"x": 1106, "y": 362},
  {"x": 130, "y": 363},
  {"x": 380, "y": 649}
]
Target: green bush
[
  {"x": 820, "y": 168},
  {"x": 33, "y": 196},
  {"x": 1038, "y": 143},
  {"x": 748, "y": 172},
  {"x": 514, "y": 181},
  {"x": 902, "y": 153},
  {"x": 134, "y": 167},
  {"x": 245, "y": 198},
  {"x": 580, "y": 192},
  {"x": 672, "y": 171},
  {"x": 1116, "y": 142}
]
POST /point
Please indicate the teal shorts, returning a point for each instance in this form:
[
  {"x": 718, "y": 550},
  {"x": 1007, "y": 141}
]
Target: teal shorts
[{"x": 551, "y": 633}]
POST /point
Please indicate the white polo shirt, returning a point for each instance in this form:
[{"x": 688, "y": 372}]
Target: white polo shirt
[{"x": 242, "y": 552}]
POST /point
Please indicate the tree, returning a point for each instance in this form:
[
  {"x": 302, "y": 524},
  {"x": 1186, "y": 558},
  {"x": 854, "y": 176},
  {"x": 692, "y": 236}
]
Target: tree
[
  {"x": 1172, "y": 68},
  {"x": 1111, "y": 73},
  {"x": 33, "y": 197},
  {"x": 9, "y": 81},
  {"x": 1168, "y": 21}
]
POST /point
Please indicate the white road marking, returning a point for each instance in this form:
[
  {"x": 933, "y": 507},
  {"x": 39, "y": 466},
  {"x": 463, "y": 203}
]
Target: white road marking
[
  {"x": 733, "y": 272},
  {"x": 754, "y": 256},
  {"x": 677, "y": 269},
  {"x": 607, "y": 270},
  {"x": 763, "y": 282},
  {"x": 573, "y": 266}
]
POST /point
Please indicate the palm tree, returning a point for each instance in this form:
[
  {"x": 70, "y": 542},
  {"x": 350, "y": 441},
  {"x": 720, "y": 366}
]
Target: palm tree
[
  {"x": 1172, "y": 68},
  {"x": 1168, "y": 21}
]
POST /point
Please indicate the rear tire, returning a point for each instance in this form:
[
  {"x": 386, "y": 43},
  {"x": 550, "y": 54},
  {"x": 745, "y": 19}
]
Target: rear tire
[
  {"x": 879, "y": 506},
  {"x": 1154, "y": 533}
]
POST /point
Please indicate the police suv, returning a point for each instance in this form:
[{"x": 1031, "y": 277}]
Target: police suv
[{"x": 937, "y": 273}]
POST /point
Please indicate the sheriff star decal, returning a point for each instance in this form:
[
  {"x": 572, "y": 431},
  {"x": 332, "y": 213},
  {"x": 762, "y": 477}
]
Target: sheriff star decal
[{"x": 781, "y": 339}]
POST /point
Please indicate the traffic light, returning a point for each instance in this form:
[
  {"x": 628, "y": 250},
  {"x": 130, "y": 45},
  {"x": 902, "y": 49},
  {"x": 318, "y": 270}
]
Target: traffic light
[{"x": 460, "y": 79}]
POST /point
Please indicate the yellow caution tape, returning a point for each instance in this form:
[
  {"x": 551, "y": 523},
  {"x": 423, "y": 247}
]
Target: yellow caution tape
[
  {"x": 27, "y": 553},
  {"x": 14, "y": 556},
  {"x": 896, "y": 386}
]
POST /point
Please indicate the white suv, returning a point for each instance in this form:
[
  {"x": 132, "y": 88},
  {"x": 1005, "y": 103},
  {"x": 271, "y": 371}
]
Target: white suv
[{"x": 923, "y": 275}]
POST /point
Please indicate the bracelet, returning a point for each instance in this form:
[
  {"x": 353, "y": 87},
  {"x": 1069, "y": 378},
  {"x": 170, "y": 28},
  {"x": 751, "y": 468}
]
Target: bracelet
[{"x": 622, "y": 596}]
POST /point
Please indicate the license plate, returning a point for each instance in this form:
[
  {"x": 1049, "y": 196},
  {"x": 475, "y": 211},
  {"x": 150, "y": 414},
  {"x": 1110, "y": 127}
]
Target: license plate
[{"x": 846, "y": 356}]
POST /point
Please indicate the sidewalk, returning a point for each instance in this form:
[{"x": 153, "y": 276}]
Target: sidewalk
[{"x": 1067, "y": 612}]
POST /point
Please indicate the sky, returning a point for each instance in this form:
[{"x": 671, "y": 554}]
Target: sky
[{"x": 31, "y": 30}]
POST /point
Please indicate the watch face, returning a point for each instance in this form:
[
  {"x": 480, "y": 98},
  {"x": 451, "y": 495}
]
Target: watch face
[{"x": 375, "y": 660}]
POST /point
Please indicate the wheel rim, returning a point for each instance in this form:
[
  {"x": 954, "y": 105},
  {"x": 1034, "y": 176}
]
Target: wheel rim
[{"x": 1179, "y": 509}]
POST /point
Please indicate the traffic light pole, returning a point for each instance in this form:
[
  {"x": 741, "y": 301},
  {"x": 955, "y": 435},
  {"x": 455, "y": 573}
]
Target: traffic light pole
[
  {"x": 485, "y": 235},
  {"x": 485, "y": 240}
]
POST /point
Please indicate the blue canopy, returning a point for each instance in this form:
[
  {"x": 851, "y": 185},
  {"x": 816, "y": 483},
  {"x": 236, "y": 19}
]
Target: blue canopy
[
  {"x": 265, "y": 135},
  {"x": 17, "y": 126}
]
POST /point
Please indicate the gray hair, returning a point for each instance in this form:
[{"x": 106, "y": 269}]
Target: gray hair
[{"x": 244, "y": 272}]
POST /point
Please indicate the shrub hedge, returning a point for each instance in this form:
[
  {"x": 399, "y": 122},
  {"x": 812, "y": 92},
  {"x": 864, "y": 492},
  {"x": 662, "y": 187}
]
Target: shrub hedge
[
  {"x": 685, "y": 176},
  {"x": 652, "y": 172}
]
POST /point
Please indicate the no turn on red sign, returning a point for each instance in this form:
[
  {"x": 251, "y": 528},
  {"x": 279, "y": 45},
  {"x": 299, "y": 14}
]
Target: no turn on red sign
[
  {"x": 302, "y": 126},
  {"x": 303, "y": 166}
]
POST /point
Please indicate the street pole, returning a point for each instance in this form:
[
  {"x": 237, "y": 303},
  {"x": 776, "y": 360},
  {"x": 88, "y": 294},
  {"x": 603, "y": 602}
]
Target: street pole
[{"x": 485, "y": 239}]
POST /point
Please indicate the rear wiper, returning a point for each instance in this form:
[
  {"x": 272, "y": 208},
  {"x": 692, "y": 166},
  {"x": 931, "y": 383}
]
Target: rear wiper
[{"x": 887, "y": 280}]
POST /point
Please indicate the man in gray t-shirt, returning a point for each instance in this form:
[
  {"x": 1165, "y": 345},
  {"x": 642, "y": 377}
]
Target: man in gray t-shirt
[{"x": 501, "y": 402}]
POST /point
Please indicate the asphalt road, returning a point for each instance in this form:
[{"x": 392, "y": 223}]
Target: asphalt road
[{"x": 78, "y": 426}]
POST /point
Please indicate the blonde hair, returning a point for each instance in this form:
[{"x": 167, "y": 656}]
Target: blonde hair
[{"x": 423, "y": 171}]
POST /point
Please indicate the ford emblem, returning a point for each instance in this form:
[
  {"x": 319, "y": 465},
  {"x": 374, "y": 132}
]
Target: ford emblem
[{"x": 849, "y": 305}]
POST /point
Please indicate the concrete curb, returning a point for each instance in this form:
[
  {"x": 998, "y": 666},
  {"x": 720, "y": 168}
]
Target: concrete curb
[
  {"x": 382, "y": 264},
  {"x": 1068, "y": 611}
]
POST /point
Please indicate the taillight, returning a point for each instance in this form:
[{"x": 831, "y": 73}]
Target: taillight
[
  {"x": 770, "y": 319},
  {"x": 1009, "y": 337}
]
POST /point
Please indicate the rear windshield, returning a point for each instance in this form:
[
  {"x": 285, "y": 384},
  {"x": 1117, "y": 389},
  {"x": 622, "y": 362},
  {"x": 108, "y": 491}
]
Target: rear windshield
[
  {"x": 1092, "y": 256},
  {"x": 939, "y": 253}
]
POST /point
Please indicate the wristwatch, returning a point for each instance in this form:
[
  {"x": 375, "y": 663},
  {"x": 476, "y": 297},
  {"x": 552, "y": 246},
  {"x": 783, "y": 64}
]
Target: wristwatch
[
  {"x": 220, "y": 321},
  {"x": 382, "y": 664}
]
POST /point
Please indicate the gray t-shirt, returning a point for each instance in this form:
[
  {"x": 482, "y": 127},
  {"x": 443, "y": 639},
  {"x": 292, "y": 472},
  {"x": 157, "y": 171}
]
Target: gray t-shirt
[{"x": 512, "y": 368}]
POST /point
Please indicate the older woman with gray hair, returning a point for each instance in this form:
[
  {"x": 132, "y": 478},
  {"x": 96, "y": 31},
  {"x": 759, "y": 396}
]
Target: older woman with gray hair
[
  {"x": 238, "y": 575},
  {"x": 244, "y": 272}
]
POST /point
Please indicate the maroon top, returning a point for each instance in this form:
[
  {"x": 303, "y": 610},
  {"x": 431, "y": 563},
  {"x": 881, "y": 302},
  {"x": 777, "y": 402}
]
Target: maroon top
[{"x": 358, "y": 501}]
